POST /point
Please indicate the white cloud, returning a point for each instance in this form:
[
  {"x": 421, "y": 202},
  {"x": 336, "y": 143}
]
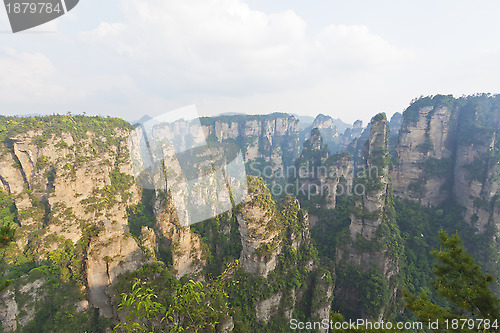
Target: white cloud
[
  {"x": 224, "y": 47},
  {"x": 162, "y": 54},
  {"x": 27, "y": 76},
  {"x": 356, "y": 48},
  {"x": 33, "y": 78},
  {"x": 156, "y": 55},
  {"x": 111, "y": 35}
]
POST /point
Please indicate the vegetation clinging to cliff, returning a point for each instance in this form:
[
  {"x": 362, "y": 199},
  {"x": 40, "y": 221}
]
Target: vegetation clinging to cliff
[
  {"x": 49, "y": 126},
  {"x": 412, "y": 114}
]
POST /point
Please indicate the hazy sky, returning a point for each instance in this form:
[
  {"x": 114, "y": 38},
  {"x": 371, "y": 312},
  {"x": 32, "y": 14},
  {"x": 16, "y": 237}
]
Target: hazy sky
[{"x": 347, "y": 59}]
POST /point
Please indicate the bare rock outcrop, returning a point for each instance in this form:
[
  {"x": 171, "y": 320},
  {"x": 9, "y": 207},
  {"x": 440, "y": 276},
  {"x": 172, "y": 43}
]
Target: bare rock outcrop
[
  {"x": 260, "y": 235},
  {"x": 365, "y": 249},
  {"x": 17, "y": 303},
  {"x": 266, "y": 308},
  {"x": 424, "y": 152},
  {"x": 447, "y": 149},
  {"x": 110, "y": 254},
  {"x": 65, "y": 183},
  {"x": 148, "y": 240},
  {"x": 189, "y": 253},
  {"x": 322, "y": 296},
  {"x": 271, "y": 138},
  {"x": 373, "y": 179},
  {"x": 9, "y": 311}
]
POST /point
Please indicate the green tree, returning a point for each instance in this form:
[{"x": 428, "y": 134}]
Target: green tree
[
  {"x": 7, "y": 218},
  {"x": 460, "y": 281},
  {"x": 7, "y": 232},
  {"x": 7, "y": 229},
  {"x": 195, "y": 307}
]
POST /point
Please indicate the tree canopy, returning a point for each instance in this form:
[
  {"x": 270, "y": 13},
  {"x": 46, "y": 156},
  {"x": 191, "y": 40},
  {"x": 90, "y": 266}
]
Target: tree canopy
[{"x": 462, "y": 284}]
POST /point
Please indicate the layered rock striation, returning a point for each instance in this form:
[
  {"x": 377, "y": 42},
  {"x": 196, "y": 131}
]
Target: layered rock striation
[{"x": 448, "y": 150}]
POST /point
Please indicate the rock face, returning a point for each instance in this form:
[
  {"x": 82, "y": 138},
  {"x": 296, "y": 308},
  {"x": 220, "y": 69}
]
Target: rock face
[
  {"x": 372, "y": 227},
  {"x": 324, "y": 122},
  {"x": 148, "y": 240},
  {"x": 272, "y": 242},
  {"x": 322, "y": 174},
  {"x": 328, "y": 130},
  {"x": 265, "y": 308},
  {"x": 63, "y": 182},
  {"x": 374, "y": 181},
  {"x": 447, "y": 149},
  {"x": 188, "y": 251},
  {"x": 423, "y": 143},
  {"x": 394, "y": 127},
  {"x": 110, "y": 254},
  {"x": 322, "y": 295},
  {"x": 258, "y": 222},
  {"x": 270, "y": 138},
  {"x": 476, "y": 171},
  {"x": 395, "y": 124},
  {"x": 9, "y": 310},
  {"x": 355, "y": 144},
  {"x": 72, "y": 184},
  {"x": 13, "y": 312},
  {"x": 476, "y": 168}
]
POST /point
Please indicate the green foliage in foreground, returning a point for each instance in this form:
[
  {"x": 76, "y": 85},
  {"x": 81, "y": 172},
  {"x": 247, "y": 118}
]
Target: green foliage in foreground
[
  {"x": 461, "y": 282},
  {"x": 191, "y": 307}
]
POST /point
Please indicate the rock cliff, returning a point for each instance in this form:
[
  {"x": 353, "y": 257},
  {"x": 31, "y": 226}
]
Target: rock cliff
[
  {"x": 276, "y": 246},
  {"x": 447, "y": 150},
  {"x": 188, "y": 252},
  {"x": 65, "y": 175},
  {"x": 321, "y": 175},
  {"x": 373, "y": 180},
  {"x": 424, "y": 150},
  {"x": 74, "y": 199},
  {"x": 259, "y": 226},
  {"x": 272, "y": 139},
  {"x": 372, "y": 247},
  {"x": 336, "y": 134}
]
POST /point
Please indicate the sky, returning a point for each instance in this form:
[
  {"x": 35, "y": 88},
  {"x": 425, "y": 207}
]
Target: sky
[{"x": 349, "y": 59}]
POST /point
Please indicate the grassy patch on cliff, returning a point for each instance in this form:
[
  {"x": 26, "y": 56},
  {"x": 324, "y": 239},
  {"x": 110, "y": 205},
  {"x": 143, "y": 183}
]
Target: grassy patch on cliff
[{"x": 77, "y": 126}]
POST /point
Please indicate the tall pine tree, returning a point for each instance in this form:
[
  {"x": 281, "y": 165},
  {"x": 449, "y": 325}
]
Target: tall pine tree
[{"x": 461, "y": 282}]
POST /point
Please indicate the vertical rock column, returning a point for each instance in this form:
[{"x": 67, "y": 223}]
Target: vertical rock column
[{"x": 368, "y": 256}]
